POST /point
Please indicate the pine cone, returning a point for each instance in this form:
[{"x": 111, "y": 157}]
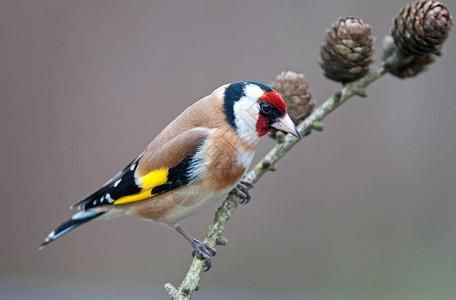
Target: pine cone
[
  {"x": 293, "y": 88},
  {"x": 422, "y": 28},
  {"x": 417, "y": 65},
  {"x": 346, "y": 54},
  {"x": 413, "y": 65}
]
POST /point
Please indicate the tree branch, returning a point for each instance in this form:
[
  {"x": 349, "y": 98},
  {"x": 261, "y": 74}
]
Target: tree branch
[{"x": 214, "y": 235}]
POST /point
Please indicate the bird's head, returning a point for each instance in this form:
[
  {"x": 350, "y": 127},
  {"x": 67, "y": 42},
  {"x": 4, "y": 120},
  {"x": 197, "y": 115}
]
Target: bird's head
[{"x": 253, "y": 109}]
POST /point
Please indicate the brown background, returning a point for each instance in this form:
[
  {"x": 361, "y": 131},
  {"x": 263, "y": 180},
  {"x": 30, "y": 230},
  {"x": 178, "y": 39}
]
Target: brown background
[{"x": 364, "y": 210}]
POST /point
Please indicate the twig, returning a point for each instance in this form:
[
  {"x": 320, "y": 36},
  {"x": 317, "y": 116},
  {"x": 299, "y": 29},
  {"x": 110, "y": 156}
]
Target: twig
[{"x": 268, "y": 163}]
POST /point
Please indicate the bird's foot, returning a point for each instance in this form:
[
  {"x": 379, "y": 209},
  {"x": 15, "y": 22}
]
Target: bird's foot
[
  {"x": 203, "y": 251},
  {"x": 242, "y": 191}
]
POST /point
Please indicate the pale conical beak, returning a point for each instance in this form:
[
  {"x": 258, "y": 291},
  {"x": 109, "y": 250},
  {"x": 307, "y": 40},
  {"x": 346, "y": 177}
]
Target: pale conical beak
[{"x": 286, "y": 124}]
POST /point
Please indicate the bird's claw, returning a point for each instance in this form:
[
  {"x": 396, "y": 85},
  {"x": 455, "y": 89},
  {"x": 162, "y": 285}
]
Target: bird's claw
[
  {"x": 242, "y": 191},
  {"x": 203, "y": 251}
]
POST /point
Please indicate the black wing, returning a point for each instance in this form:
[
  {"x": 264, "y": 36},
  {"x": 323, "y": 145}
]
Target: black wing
[{"x": 122, "y": 184}]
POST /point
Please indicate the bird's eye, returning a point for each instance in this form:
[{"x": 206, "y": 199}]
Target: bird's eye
[{"x": 266, "y": 108}]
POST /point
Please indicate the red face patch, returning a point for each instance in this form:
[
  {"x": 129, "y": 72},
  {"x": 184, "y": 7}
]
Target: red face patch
[
  {"x": 263, "y": 124},
  {"x": 275, "y": 100}
]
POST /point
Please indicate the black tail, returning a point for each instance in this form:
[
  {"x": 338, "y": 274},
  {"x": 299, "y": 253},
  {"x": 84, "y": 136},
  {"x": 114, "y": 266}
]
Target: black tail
[{"x": 76, "y": 220}]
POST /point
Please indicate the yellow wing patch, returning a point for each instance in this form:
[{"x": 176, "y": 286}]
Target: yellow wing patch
[
  {"x": 148, "y": 181},
  {"x": 143, "y": 194},
  {"x": 155, "y": 178}
]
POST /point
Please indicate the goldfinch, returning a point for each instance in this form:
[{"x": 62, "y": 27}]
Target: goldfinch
[{"x": 197, "y": 159}]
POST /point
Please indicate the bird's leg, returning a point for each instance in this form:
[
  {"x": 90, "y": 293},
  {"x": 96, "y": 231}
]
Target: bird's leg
[
  {"x": 203, "y": 251},
  {"x": 242, "y": 190}
]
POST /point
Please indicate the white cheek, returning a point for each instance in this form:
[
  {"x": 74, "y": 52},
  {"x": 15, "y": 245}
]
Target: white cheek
[{"x": 246, "y": 112}]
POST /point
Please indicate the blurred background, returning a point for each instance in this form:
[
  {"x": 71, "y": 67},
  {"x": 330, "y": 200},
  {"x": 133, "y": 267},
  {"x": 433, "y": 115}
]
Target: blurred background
[{"x": 364, "y": 210}]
